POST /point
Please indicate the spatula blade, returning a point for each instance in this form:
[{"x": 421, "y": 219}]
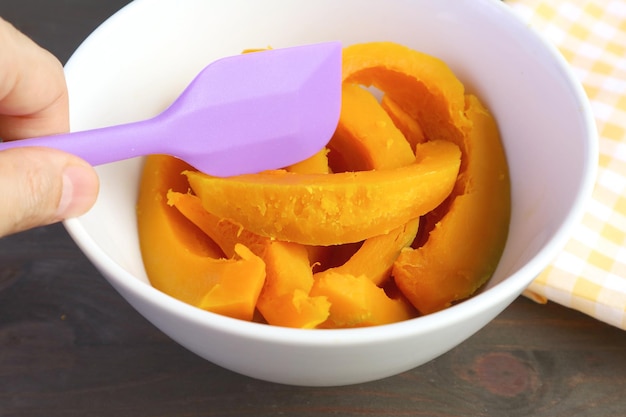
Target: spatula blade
[{"x": 258, "y": 111}]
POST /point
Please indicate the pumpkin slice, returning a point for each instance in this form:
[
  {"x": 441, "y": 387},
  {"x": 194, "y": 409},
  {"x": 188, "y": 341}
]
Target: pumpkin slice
[
  {"x": 238, "y": 285},
  {"x": 422, "y": 85},
  {"x": 285, "y": 299},
  {"x": 224, "y": 232},
  {"x": 176, "y": 255},
  {"x": 358, "y": 302},
  {"x": 366, "y": 137},
  {"x": 375, "y": 258},
  {"x": 464, "y": 248},
  {"x": 316, "y": 164},
  {"x": 322, "y": 209},
  {"x": 409, "y": 127},
  {"x": 179, "y": 258}
]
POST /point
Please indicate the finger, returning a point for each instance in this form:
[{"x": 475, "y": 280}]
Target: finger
[
  {"x": 41, "y": 186},
  {"x": 33, "y": 93}
]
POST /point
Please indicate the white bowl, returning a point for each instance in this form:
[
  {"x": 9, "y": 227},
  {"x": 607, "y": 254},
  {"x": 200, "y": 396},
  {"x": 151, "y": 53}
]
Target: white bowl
[{"x": 139, "y": 60}]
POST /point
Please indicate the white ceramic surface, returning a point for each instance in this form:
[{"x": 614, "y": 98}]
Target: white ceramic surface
[{"x": 138, "y": 61}]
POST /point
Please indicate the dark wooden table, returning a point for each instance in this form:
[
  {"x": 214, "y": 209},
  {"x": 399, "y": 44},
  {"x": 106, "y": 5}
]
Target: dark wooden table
[{"x": 71, "y": 346}]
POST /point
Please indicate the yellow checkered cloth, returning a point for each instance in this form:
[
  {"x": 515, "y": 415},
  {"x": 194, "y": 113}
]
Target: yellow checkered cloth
[{"x": 589, "y": 275}]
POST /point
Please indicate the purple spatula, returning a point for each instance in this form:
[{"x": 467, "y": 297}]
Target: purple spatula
[{"x": 241, "y": 114}]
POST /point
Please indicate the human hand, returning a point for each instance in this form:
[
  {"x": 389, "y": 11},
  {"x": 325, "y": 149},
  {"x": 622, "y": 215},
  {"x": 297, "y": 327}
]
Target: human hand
[{"x": 38, "y": 186}]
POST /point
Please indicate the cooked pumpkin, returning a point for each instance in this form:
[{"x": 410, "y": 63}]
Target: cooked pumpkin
[{"x": 404, "y": 213}]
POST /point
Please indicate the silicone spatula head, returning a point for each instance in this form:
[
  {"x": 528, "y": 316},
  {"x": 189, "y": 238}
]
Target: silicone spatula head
[
  {"x": 258, "y": 111},
  {"x": 241, "y": 114}
]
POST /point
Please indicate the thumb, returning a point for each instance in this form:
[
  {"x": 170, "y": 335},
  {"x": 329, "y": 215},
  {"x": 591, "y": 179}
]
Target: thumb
[{"x": 40, "y": 186}]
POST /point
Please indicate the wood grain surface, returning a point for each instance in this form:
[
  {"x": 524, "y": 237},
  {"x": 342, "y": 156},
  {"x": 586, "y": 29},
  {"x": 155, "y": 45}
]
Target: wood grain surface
[{"x": 71, "y": 346}]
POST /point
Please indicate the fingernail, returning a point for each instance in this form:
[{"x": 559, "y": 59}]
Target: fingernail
[{"x": 80, "y": 188}]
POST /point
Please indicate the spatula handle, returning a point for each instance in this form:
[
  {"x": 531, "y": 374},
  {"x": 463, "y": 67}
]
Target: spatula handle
[{"x": 96, "y": 146}]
